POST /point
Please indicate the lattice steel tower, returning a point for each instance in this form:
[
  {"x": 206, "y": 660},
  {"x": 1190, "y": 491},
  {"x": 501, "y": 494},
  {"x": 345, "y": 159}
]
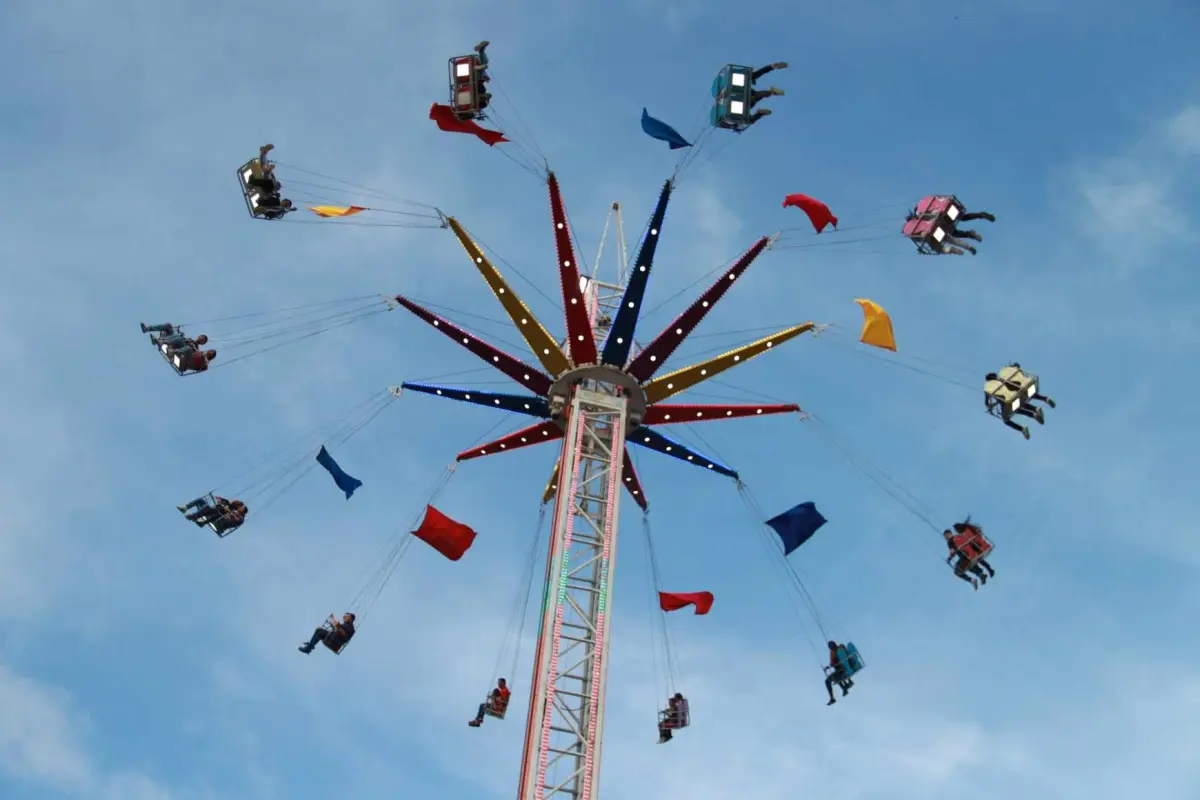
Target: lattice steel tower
[{"x": 596, "y": 399}]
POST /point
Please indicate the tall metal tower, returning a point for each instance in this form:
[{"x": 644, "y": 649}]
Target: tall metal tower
[
  {"x": 596, "y": 399},
  {"x": 566, "y": 711}
]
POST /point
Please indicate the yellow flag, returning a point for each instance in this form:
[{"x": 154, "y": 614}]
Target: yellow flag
[
  {"x": 877, "y": 326},
  {"x": 336, "y": 211}
]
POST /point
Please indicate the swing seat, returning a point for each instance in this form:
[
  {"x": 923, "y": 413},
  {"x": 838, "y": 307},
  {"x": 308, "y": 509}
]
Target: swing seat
[
  {"x": 850, "y": 663},
  {"x": 174, "y": 359},
  {"x": 333, "y": 641},
  {"x": 943, "y": 207},
  {"x": 926, "y": 234},
  {"x": 464, "y": 87},
  {"x": 223, "y": 525},
  {"x": 1003, "y": 400},
  {"x": 678, "y": 720},
  {"x": 251, "y": 194},
  {"x": 731, "y": 90},
  {"x": 935, "y": 218},
  {"x": 975, "y": 546},
  {"x": 494, "y": 708}
]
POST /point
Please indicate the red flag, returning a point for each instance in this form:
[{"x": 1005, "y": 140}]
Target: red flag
[
  {"x": 450, "y": 538},
  {"x": 818, "y": 213},
  {"x": 673, "y": 601},
  {"x": 445, "y": 119}
]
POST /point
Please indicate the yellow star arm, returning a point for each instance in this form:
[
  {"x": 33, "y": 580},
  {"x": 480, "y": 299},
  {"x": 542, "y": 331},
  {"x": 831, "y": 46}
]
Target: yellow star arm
[
  {"x": 680, "y": 380},
  {"x": 540, "y": 342}
]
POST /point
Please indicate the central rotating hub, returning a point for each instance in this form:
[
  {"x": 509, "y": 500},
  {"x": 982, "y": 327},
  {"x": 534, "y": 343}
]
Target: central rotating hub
[{"x": 560, "y": 391}]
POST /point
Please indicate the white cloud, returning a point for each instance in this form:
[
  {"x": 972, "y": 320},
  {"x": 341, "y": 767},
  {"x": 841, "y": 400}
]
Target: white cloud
[
  {"x": 1132, "y": 202},
  {"x": 1184, "y": 130},
  {"x": 38, "y": 737},
  {"x": 42, "y": 742}
]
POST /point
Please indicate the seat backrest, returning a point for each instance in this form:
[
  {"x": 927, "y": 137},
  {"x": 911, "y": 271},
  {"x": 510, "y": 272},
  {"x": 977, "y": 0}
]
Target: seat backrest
[
  {"x": 462, "y": 82},
  {"x": 462, "y": 69},
  {"x": 1014, "y": 374},
  {"x": 224, "y": 524},
  {"x": 1000, "y": 391},
  {"x": 854, "y": 659},
  {"x": 978, "y": 546},
  {"x": 736, "y": 77},
  {"x": 495, "y": 706},
  {"x": 937, "y": 204},
  {"x": 335, "y": 641},
  {"x": 919, "y": 228},
  {"x": 844, "y": 660},
  {"x": 926, "y": 203}
]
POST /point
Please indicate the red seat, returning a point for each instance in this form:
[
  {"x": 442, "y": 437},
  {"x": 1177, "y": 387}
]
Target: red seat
[
  {"x": 463, "y": 85},
  {"x": 934, "y": 204},
  {"x": 973, "y": 544},
  {"x": 918, "y": 228}
]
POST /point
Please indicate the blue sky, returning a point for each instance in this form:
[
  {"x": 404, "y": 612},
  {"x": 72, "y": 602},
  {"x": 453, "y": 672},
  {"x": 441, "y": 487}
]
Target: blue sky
[{"x": 144, "y": 659}]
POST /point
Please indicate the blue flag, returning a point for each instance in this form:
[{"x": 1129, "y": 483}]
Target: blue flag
[
  {"x": 657, "y": 129},
  {"x": 344, "y": 482},
  {"x": 797, "y": 525}
]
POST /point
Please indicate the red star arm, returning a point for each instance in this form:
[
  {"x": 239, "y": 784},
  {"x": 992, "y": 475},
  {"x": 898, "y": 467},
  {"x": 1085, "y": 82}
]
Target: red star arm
[
  {"x": 658, "y": 351},
  {"x": 666, "y": 414},
  {"x": 580, "y": 340},
  {"x": 526, "y": 437},
  {"x": 532, "y": 379}
]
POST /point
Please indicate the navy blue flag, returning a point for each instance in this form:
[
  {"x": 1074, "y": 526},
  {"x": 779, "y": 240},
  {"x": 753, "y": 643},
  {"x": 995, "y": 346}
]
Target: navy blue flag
[
  {"x": 797, "y": 525},
  {"x": 344, "y": 482}
]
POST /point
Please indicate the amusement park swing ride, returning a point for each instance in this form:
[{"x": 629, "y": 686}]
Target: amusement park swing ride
[{"x": 593, "y": 394}]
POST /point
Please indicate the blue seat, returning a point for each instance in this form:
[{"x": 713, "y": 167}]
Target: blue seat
[
  {"x": 732, "y": 90},
  {"x": 849, "y": 661},
  {"x": 852, "y": 663}
]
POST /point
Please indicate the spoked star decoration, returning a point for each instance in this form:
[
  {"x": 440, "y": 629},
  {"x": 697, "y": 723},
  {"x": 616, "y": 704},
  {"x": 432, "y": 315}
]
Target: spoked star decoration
[{"x": 612, "y": 363}]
